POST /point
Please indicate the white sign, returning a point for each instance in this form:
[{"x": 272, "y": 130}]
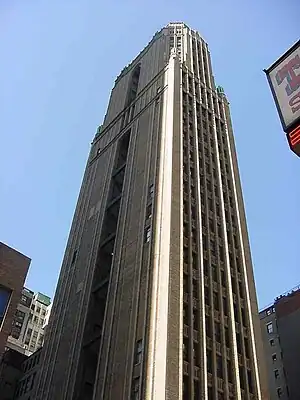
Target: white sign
[{"x": 284, "y": 79}]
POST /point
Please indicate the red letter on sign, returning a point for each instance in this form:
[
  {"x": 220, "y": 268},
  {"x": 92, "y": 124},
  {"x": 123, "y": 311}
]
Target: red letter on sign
[
  {"x": 288, "y": 72},
  {"x": 295, "y": 103}
]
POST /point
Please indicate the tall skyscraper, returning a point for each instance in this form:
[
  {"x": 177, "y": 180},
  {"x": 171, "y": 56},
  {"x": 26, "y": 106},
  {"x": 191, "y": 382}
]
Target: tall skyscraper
[{"x": 156, "y": 297}]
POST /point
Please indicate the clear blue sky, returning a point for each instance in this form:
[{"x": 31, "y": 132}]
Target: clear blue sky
[{"x": 59, "y": 60}]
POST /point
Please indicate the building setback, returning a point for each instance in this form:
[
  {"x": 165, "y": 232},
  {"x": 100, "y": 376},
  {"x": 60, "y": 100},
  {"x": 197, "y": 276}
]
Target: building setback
[
  {"x": 13, "y": 270},
  {"x": 156, "y": 296},
  {"x": 280, "y": 324}
]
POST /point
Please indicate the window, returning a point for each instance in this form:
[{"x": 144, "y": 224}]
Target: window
[
  {"x": 149, "y": 211},
  {"x": 250, "y": 381},
  {"x": 227, "y": 338},
  {"x": 20, "y": 315},
  {"x": 135, "y": 389},
  {"x": 147, "y": 235},
  {"x": 209, "y": 361},
  {"x": 270, "y": 327},
  {"x": 185, "y": 349},
  {"x": 208, "y": 327},
  {"x": 206, "y": 296},
  {"x": 139, "y": 352},
  {"x": 218, "y": 332},
  {"x": 276, "y": 374},
  {"x": 216, "y": 301},
  {"x": 219, "y": 367},
  {"x": 151, "y": 191},
  {"x": 4, "y": 299},
  {"x": 274, "y": 357},
  {"x": 279, "y": 392},
  {"x": 196, "y": 390},
  {"x": 35, "y": 319},
  {"x": 272, "y": 342},
  {"x": 38, "y": 309},
  {"x": 229, "y": 371}
]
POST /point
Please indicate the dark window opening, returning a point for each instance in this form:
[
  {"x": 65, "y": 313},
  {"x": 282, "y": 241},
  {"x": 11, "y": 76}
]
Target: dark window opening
[
  {"x": 123, "y": 150},
  {"x": 247, "y": 349},
  {"x": 208, "y": 327},
  {"x": 229, "y": 371},
  {"x": 209, "y": 361},
  {"x": 133, "y": 86},
  {"x": 227, "y": 339},
  {"x": 110, "y": 220},
  {"x": 219, "y": 366},
  {"x": 238, "y": 343},
  {"x": 196, "y": 390},
  {"x": 138, "y": 352},
  {"x": 218, "y": 332},
  {"x": 242, "y": 378},
  {"x": 206, "y": 296},
  {"x": 186, "y": 388},
  {"x": 196, "y": 355},
  {"x": 116, "y": 185},
  {"x": 185, "y": 349},
  {"x": 216, "y": 301},
  {"x": 225, "y": 306}
]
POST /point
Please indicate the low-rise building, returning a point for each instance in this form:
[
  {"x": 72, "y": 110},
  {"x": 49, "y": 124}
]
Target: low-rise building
[
  {"x": 11, "y": 371},
  {"x": 29, "y": 322},
  {"x": 25, "y": 386},
  {"x": 280, "y": 323},
  {"x": 13, "y": 270}
]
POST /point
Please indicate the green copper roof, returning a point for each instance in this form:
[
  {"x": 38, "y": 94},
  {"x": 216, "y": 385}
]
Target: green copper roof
[{"x": 42, "y": 298}]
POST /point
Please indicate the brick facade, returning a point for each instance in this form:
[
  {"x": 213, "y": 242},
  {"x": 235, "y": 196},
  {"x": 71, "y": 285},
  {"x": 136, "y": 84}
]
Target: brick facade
[{"x": 13, "y": 270}]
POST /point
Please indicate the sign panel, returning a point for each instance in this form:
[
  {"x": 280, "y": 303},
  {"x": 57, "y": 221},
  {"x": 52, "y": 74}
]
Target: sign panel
[
  {"x": 284, "y": 79},
  {"x": 294, "y": 140}
]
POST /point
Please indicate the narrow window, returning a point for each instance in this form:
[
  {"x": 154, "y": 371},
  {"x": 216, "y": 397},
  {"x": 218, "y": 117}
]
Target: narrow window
[
  {"x": 147, "y": 235},
  {"x": 135, "y": 389},
  {"x": 139, "y": 352},
  {"x": 74, "y": 257},
  {"x": 270, "y": 327}
]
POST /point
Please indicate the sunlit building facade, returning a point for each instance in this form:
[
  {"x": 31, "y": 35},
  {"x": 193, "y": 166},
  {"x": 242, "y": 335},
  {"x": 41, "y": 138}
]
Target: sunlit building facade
[{"x": 156, "y": 296}]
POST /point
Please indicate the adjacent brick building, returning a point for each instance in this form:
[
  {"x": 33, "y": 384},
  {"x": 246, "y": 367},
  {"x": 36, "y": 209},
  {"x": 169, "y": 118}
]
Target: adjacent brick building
[
  {"x": 13, "y": 270},
  {"x": 11, "y": 371},
  {"x": 280, "y": 323},
  {"x": 26, "y": 384}
]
